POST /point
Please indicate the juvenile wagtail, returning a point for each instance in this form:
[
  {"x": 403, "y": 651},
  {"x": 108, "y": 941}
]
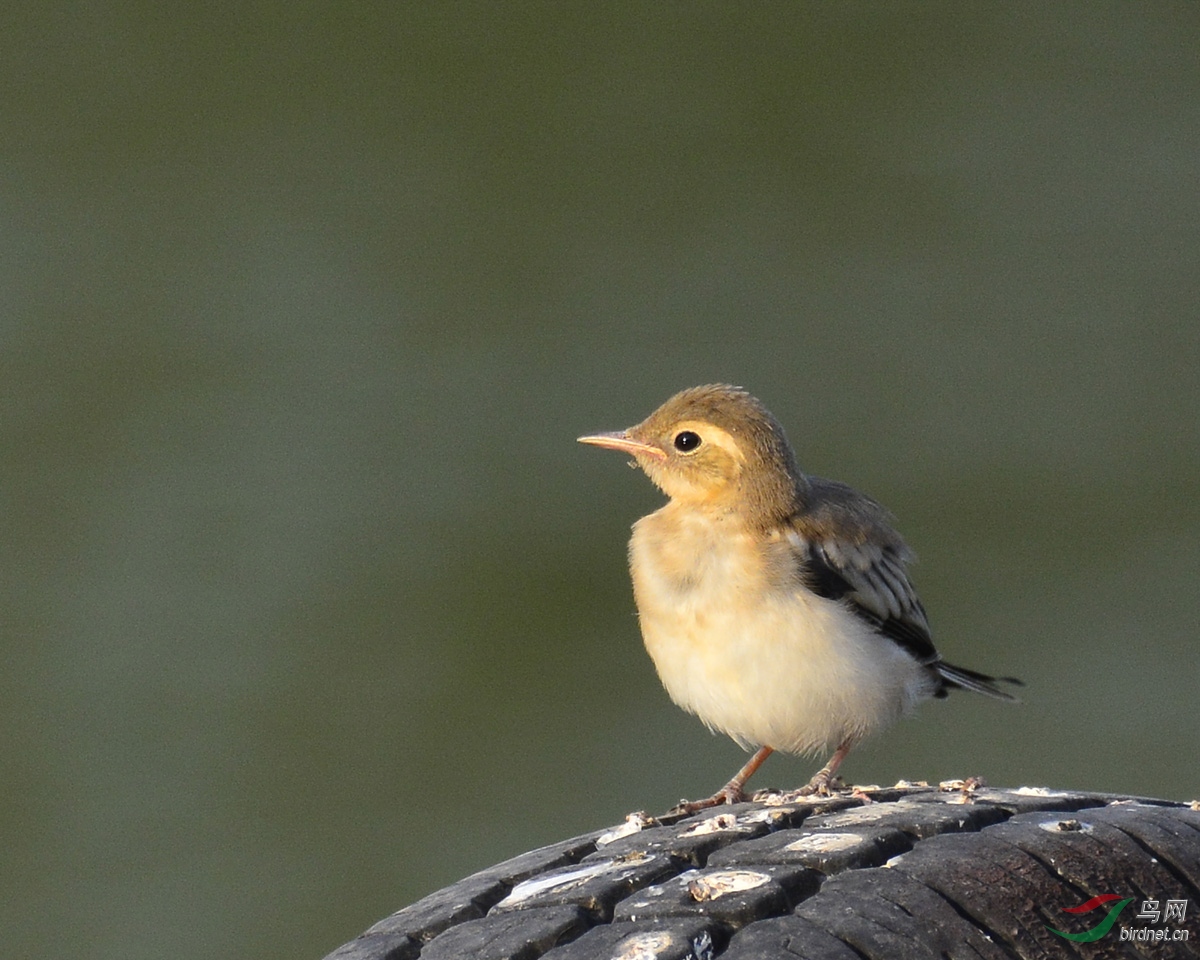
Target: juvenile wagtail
[{"x": 776, "y": 606}]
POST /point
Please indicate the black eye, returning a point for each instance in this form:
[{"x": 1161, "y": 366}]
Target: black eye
[{"x": 686, "y": 441}]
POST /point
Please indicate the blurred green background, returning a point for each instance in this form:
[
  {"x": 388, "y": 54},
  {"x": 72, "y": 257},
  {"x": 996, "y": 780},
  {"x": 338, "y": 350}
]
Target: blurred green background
[{"x": 312, "y": 604}]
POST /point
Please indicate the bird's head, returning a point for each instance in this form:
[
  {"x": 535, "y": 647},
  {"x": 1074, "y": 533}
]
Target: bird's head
[{"x": 715, "y": 445}]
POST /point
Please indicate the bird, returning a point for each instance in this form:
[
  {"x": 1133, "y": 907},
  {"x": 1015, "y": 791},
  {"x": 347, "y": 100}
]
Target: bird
[{"x": 776, "y": 606}]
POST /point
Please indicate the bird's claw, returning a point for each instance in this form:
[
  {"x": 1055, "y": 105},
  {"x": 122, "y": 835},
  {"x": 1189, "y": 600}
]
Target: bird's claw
[
  {"x": 727, "y": 794},
  {"x": 818, "y": 786}
]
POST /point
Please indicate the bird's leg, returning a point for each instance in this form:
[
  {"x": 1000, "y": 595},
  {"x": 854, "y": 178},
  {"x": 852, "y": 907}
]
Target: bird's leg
[
  {"x": 819, "y": 784},
  {"x": 732, "y": 791}
]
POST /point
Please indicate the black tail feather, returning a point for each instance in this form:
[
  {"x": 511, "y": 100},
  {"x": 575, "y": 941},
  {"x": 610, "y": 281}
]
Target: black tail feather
[{"x": 960, "y": 678}]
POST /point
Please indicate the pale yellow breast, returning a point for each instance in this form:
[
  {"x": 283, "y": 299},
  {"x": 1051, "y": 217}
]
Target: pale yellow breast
[{"x": 738, "y": 641}]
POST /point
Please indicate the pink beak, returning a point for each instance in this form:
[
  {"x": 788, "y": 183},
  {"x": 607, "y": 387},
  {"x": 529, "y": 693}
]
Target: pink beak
[{"x": 620, "y": 440}]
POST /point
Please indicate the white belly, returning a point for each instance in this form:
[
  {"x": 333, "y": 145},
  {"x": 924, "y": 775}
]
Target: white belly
[{"x": 767, "y": 662}]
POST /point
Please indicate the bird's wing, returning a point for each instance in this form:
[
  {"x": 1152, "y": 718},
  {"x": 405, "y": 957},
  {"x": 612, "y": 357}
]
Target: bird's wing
[
  {"x": 848, "y": 550},
  {"x": 878, "y": 590},
  {"x": 851, "y": 552}
]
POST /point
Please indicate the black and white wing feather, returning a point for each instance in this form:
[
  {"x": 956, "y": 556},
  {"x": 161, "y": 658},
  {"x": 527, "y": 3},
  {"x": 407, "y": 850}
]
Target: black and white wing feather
[{"x": 852, "y": 553}]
